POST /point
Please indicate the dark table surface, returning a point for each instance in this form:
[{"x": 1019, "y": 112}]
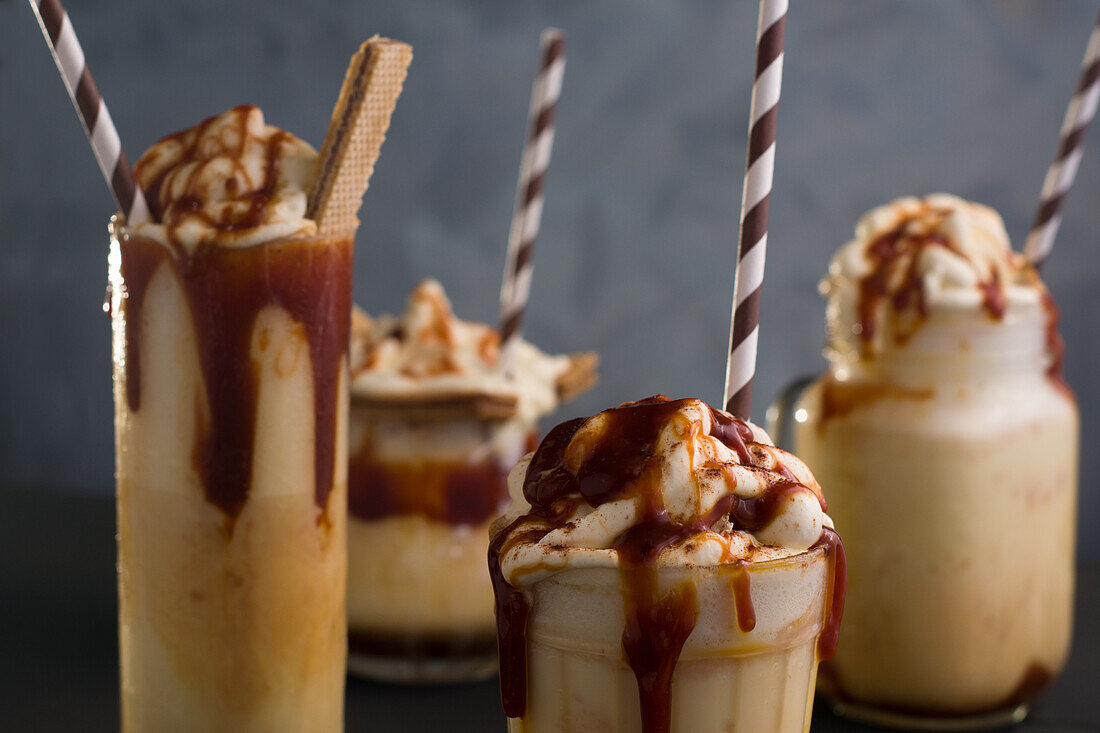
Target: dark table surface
[{"x": 58, "y": 655}]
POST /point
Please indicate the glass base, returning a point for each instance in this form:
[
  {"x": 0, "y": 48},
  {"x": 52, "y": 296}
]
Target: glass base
[
  {"x": 422, "y": 670},
  {"x": 894, "y": 719},
  {"x": 418, "y": 658}
]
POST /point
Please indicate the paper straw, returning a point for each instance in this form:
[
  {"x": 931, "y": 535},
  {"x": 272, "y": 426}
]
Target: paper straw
[
  {"x": 106, "y": 145},
  {"x": 756, "y": 194},
  {"x": 516, "y": 286},
  {"x": 1060, "y": 175}
]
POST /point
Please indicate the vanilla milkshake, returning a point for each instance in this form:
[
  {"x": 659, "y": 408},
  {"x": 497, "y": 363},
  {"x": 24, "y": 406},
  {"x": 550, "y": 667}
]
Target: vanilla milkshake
[
  {"x": 231, "y": 318},
  {"x": 949, "y": 443},
  {"x": 435, "y": 427},
  {"x": 663, "y": 567}
]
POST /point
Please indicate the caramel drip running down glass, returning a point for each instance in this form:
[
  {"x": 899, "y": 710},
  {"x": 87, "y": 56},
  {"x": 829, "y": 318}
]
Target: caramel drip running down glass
[
  {"x": 435, "y": 428},
  {"x": 231, "y": 322},
  {"x": 663, "y": 568},
  {"x": 949, "y": 442}
]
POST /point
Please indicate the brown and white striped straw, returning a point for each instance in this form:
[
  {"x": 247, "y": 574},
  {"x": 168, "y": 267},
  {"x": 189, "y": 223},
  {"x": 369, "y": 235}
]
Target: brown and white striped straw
[
  {"x": 1060, "y": 175},
  {"x": 755, "y": 197},
  {"x": 106, "y": 145},
  {"x": 527, "y": 216}
]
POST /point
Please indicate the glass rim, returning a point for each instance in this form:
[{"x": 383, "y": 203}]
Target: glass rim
[
  {"x": 803, "y": 558},
  {"x": 118, "y": 229}
]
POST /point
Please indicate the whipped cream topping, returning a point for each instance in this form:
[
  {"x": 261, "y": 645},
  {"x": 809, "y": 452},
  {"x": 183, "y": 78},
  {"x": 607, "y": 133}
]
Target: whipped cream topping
[
  {"x": 427, "y": 352},
  {"x": 915, "y": 256},
  {"x": 232, "y": 180},
  {"x": 678, "y": 481}
]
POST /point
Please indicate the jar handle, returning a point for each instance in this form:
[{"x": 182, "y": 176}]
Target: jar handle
[{"x": 780, "y": 413}]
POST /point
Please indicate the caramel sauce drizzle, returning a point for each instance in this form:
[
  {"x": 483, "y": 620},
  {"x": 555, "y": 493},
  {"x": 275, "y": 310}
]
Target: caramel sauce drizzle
[
  {"x": 449, "y": 492},
  {"x": 226, "y": 288},
  {"x": 1056, "y": 347},
  {"x": 900, "y": 249},
  {"x": 190, "y": 206},
  {"x": 897, "y": 250}
]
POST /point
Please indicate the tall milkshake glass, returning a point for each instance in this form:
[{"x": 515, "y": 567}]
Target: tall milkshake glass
[{"x": 231, "y": 320}]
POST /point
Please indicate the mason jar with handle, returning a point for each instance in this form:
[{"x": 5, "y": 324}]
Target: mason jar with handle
[{"x": 949, "y": 442}]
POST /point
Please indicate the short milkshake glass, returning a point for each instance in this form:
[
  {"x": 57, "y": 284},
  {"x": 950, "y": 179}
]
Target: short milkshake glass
[
  {"x": 230, "y": 358},
  {"x": 949, "y": 443},
  {"x": 434, "y": 430},
  {"x": 422, "y": 491},
  {"x": 632, "y": 595}
]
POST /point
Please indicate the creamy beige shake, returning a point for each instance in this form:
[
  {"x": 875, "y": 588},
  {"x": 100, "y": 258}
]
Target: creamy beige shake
[
  {"x": 949, "y": 443},
  {"x": 435, "y": 427},
  {"x": 231, "y": 321},
  {"x": 663, "y": 567}
]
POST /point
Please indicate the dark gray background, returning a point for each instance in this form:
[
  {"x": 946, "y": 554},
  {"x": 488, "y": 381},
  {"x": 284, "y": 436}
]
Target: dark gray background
[{"x": 881, "y": 98}]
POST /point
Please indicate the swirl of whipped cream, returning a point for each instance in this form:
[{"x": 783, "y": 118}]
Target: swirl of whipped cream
[
  {"x": 231, "y": 180},
  {"x": 914, "y": 256},
  {"x": 428, "y": 351},
  {"x": 676, "y": 480}
]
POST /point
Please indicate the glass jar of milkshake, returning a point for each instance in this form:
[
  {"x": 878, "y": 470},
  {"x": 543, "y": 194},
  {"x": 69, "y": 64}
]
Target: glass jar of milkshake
[
  {"x": 663, "y": 568},
  {"x": 230, "y": 318},
  {"x": 435, "y": 427},
  {"x": 949, "y": 442}
]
